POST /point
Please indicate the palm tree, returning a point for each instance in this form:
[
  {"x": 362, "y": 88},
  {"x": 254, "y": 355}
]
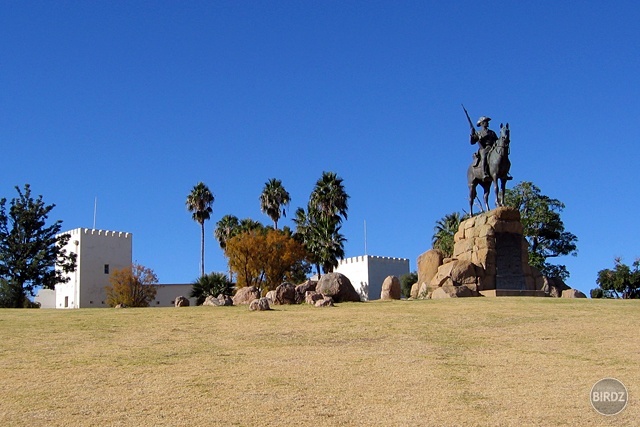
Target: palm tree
[
  {"x": 327, "y": 207},
  {"x": 444, "y": 231},
  {"x": 199, "y": 202},
  {"x": 305, "y": 235},
  {"x": 321, "y": 238},
  {"x": 249, "y": 224},
  {"x": 212, "y": 284},
  {"x": 274, "y": 198},
  {"x": 329, "y": 243},
  {"x": 329, "y": 196},
  {"x": 226, "y": 228}
]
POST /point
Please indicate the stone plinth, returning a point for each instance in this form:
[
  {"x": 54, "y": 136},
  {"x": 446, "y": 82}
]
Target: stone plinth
[{"x": 494, "y": 241}]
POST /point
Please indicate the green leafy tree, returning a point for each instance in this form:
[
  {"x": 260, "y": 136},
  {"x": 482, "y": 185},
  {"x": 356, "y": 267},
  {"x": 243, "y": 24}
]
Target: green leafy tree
[
  {"x": 30, "y": 249},
  {"x": 212, "y": 284},
  {"x": 199, "y": 202},
  {"x": 620, "y": 282},
  {"x": 444, "y": 231},
  {"x": 543, "y": 228},
  {"x": 273, "y": 200},
  {"x": 406, "y": 282},
  {"x": 133, "y": 286}
]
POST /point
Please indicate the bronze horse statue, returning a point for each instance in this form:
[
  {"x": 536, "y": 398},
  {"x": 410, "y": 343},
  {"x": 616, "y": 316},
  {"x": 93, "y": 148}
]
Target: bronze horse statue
[{"x": 498, "y": 164}]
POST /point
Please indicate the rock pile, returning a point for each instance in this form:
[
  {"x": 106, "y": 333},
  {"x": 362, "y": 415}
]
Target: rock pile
[
  {"x": 219, "y": 301},
  {"x": 331, "y": 288}
]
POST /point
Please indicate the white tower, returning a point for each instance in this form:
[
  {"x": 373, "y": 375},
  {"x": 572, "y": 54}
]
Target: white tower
[{"x": 99, "y": 253}]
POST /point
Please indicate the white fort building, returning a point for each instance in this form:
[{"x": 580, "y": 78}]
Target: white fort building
[
  {"x": 366, "y": 273},
  {"x": 99, "y": 253}
]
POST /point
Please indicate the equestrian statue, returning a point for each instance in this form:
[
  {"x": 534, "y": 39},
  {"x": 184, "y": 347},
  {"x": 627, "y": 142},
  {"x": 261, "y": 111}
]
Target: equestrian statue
[{"x": 490, "y": 164}]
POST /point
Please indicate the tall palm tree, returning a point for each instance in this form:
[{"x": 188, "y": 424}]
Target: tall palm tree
[
  {"x": 273, "y": 199},
  {"x": 329, "y": 196},
  {"x": 444, "y": 231},
  {"x": 304, "y": 234},
  {"x": 199, "y": 202},
  {"x": 321, "y": 238},
  {"x": 226, "y": 228},
  {"x": 329, "y": 243}
]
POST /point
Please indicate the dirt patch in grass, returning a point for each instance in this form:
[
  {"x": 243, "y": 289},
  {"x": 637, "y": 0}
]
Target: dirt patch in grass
[{"x": 482, "y": 361}]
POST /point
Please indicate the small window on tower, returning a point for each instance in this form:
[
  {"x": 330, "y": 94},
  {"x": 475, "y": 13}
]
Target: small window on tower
[{"x": 106, "y": 269}]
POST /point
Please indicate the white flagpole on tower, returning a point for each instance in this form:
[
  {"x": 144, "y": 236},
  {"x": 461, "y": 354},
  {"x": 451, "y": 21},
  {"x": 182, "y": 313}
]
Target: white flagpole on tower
[
  {"x": 95, "y": 209},
  {"x": 365, "y": 237}
]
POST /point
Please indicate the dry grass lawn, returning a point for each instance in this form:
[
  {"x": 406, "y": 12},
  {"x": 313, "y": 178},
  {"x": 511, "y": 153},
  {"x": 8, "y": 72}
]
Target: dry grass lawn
[{"x": 482, "y": 361}]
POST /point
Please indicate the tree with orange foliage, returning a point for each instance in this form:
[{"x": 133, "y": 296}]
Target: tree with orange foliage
[
  {"x": 132, "y": 286},
  {"x": 263, "y": 257}
]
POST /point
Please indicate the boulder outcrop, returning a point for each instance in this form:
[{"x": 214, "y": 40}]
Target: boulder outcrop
[
  {"x": 261, "y": 304},
  {"x": 246, "y": 295},
  {"x": 181, "y": 301},
  {"x": 338, "y": 287},
  {"x": 428, "y": 264},
  {"x": 303, "y": 288},
  {"x": 390, "y": 288},
  {"x": 324, "y": 302},
  {"x": 285, "y": 294}
]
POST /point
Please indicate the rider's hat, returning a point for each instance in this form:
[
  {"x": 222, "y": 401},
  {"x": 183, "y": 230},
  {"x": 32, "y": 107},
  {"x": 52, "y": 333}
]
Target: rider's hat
[{"x": 483, "y": 119}]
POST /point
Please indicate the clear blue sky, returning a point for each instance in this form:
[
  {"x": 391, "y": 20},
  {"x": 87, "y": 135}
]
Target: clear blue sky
[{"x": 134, "y": 102}]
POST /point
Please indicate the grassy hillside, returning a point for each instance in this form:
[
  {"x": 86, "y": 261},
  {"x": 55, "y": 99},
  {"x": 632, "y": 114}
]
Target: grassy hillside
[{"x": 476, "y": 361}]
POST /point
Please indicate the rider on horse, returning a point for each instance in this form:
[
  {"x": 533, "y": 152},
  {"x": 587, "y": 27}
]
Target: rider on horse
[{"x": 485, "y": 138}]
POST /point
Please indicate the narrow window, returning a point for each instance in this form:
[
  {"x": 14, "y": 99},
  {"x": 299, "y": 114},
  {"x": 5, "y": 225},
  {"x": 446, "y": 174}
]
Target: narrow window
[
  {"x": 106, "y": 269},
  {"x": 66, "y": 302}
]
